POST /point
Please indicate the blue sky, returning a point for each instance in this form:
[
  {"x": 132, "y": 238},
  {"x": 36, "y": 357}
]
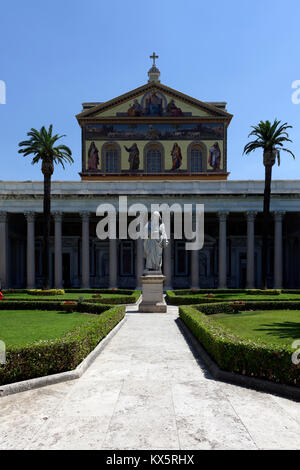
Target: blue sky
[{"x": 55, "y": 55}]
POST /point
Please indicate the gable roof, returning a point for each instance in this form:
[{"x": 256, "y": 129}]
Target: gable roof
[{"x": 98, "y": 108}]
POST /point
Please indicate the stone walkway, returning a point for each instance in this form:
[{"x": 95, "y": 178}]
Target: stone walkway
[{"x": 147, "y": 391}]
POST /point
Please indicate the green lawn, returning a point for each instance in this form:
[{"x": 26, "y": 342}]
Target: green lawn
[
  {"x": 279, "y": 327},
  {"x": 25, "y": 326}
]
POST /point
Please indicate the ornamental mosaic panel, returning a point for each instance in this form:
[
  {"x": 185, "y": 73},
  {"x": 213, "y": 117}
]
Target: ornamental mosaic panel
[{"x": 155, "y": 131}]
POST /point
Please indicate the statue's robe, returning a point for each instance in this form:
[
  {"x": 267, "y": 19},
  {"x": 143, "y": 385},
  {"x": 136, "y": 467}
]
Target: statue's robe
[
  {"x": 214, "y": 156},
  {"x": 153, "y": 247},
  {"x": 176, "y": 158},
  {"x": 93, "y": 158},
  {"x": 134, "y": 157}
]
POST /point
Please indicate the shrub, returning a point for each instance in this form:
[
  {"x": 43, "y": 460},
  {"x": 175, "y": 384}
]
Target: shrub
[
  {"x": 59, "y": 355},
  {"x": 46, "y": 292},
  {"x": 263, "y": 291},
  {"x": 101, "y": 291},
  {"x": 173, "y": 298},
  {"x": 238, "y": 355},
  {"x": 86, "y": 307},
  {"x": 69, "y": 305},
  {"x": 191, "y": 297},
  {"x": 112, "y": 300},
  {"x": 241, "y": 306},
  {"x": 97, "y": 296}
]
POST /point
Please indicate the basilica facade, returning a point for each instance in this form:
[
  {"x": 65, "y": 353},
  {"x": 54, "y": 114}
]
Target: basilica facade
[{"x": 154, "y": 145}]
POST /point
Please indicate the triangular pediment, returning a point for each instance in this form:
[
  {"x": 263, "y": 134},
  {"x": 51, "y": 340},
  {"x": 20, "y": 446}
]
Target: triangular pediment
[{"x": 153, "y": 100}]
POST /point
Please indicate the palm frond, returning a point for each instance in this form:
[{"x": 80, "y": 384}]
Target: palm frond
[
  {"x": 269, "y": 137},
  {"x": 41, "y": 144}
]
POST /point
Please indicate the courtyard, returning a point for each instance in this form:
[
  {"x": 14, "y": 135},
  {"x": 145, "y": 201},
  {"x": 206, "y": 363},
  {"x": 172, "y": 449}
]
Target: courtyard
[
  {"x": 148, "y": 390},
  {"x": 149, "y": 229}
]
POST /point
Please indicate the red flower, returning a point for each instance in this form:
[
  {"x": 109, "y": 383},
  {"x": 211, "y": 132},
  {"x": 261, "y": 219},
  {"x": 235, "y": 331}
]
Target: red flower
[{"x": 1, "y": 295}]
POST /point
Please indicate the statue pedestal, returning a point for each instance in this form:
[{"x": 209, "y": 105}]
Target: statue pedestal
[{"x": 152, "y": 293}]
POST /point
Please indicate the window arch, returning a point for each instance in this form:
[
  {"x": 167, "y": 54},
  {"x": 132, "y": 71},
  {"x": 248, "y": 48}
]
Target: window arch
[
  {"x": 197, "y": 157},
  {"x": 154, "y": 158},
  {"x": 111, "y": 158}
]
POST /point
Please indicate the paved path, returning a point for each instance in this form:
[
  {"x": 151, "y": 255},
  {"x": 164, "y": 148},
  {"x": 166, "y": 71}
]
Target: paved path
[{"x": 147, "y": 391}]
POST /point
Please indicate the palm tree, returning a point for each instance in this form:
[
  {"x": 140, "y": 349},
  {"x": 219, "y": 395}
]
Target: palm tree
[
  {"x": 41, "y": 145},
  {"x": 270, "y": 138}
]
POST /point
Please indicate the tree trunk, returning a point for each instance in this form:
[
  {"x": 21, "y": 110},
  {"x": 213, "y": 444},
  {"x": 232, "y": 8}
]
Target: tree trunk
[
  {"x": 266, "y": 224},
  {"x": 46, "y": 223}
]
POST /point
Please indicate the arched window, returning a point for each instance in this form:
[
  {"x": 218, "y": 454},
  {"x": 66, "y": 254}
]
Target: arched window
[
  {"x": 153, "y": 158},
  {"x": 196, "y": 158},
  {"x": 111, "y": 161}
]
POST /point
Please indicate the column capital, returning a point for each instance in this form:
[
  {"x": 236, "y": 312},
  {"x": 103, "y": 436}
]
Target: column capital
[
  {"x": 278, "y": 215},
  {"x": 85, "y": 215},
  {"x": 251, "y": 215},
  {"x": 223, "y": 215},
  {"x": 30, "y": 216},
  {"x": 3, "y": 216},
  {"x": 57, "y": 215}
]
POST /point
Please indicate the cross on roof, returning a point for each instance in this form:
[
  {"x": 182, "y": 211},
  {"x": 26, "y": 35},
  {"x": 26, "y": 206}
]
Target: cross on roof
[{"x": 153, "y": 56}]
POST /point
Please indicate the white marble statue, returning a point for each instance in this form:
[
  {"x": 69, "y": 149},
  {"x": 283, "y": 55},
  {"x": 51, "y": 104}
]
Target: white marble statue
[{"x": 153, "y": 246}]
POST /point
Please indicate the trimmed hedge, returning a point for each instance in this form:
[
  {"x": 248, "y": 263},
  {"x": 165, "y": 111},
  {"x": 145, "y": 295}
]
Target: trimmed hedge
[
  {"x": 121, "y": 299},
  {"x": 82, "y": 307},
  {"x": 178, "y": 298},
  {"x": 61, "y": 354},
  {"x": 172, "y": 298},
  {"x": 231, "y": 291},
  {"x": 71, "y": 291},
  {"x": 125, "y": 299},
  {"x": 241, "y": 306},
  {"x": 101, "y": 291},
  {"x": 238, "y": 355}
]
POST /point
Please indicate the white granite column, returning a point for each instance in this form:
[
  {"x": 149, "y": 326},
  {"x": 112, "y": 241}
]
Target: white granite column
[
  {"x": 113, "y": 264},
  {"x": 85, "y": 252},
  {"x": 278, "y": 215},
  {"x": 30, "y": 261},
  {"x": 222, "y": 250},
  {"x": 167, "y": 265},
  {"x": 139, "y": 266},
  {"x": 194, "y": 269},
  {"x": 250, "y": 249},
  {"x": 58, "y": 281},
  {"x": 4, "y": 250}
]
